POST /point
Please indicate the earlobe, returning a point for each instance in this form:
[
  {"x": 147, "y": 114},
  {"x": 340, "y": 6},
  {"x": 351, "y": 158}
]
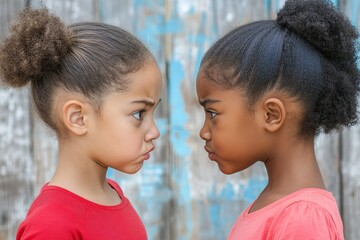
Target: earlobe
[
  {"x": 275, "y": 114},
  {"x": 74, "y": 117}
]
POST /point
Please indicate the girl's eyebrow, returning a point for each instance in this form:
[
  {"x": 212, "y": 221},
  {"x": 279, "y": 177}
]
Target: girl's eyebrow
[
  {"x": 147, "y": 102},
  {"x": 207, "y": 101}
]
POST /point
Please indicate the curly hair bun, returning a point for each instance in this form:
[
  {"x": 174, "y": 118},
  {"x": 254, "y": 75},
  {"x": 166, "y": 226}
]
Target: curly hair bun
[
  {"x": 332, "y": 35},
  {"x": 321, "y": 25},
  {"x": 36, "y": 46}
]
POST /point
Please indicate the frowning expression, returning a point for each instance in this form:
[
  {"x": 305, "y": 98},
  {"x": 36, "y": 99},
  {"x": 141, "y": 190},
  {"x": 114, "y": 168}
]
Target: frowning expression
[
  {"x": 123, "y": 136},
  {"x": 231, "y": 130}
]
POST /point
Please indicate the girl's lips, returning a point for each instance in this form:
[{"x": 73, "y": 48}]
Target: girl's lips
[
  {"x": 147, "y": 154},
  {"x": 212, "y": 156},
  {"x": 211, "y": 153},
  {"x": 208, "y": 150}
]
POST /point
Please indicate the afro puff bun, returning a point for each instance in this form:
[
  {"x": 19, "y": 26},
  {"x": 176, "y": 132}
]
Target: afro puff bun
[
  {"x": 331, "y": 33},
  {"x": 318, "y": 22},
  {"x": 37, "y": 44}
]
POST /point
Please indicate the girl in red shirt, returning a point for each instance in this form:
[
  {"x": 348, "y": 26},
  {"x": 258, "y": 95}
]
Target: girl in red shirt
[
  {"x": 97, "y": 86},
  {"x": 268, "y": 88}
]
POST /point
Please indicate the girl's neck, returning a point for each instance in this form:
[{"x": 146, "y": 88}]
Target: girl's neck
[
  {"x": 81, "y": 175},
  {"x": 293, "y": 167}
]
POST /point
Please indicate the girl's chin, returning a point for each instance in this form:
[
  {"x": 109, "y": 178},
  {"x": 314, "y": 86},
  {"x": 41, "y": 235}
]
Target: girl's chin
[
  {"x": 131, "y": 169},
  {"x": 228, "y": 169},
  {"x": 224, "y": 168}
]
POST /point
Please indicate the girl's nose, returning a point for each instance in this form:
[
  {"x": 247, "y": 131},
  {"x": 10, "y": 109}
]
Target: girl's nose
[
  {"x": 205, "y": 133},
  {"x": 153, "y": 133}
]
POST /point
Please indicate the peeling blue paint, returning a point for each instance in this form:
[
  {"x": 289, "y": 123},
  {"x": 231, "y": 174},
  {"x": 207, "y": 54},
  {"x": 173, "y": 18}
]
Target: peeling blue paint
[
  {"x": 139, "y": 3},
  {"x": 354, "y": 13},
  {"x": 215, "y": 215},
  {"x": 178, "y": 137},
  {"x": 267, "y": 4},
  {"x": 253, "y": 188},
  {"x": 277, "y": 5},
  {"x": 228, "y": 192},
  {"x": 162, "y": 125},
  {"x": 335, "y": 2},
  {"x": 152, "y": 183},
  {"x": 178, "y": 117},
  {"x": 200, "y": 40},
  {"x": 110, "y": 173},
  {"x": 155, "y": 193},
  {"x": 153, "y": 28}
]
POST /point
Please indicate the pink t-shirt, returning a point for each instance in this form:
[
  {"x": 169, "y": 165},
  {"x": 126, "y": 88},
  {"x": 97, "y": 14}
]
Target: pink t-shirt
[{"x": 306, "y": 214}]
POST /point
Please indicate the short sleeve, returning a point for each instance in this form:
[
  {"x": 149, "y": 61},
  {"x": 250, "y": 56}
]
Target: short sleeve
[
  {"x": 54, "y": 225},
  {"x": 54, "y": 233},
  {"x": 306, "y": 221}
]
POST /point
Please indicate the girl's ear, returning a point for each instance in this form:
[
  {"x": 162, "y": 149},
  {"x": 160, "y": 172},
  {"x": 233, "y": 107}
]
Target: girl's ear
[
  {"x": 74, "y": 116},
  {"x": 274, "y": 114}
]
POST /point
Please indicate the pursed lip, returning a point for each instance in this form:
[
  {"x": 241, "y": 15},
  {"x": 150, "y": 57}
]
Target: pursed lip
[
  {"x": 210, "y": 152},
  {"x": 147, "y": 154}
]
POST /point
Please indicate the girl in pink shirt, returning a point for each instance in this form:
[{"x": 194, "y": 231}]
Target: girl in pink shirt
[{"x": 268, "y": 88}]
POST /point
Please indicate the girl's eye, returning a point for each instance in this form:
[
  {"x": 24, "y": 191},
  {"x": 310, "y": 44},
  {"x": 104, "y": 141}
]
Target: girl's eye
[
  {"x": 212, "y": 114},
  {"x": 138, "y": 115}
]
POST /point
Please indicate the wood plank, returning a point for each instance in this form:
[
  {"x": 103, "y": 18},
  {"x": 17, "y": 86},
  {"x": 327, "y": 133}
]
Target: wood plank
[
  {"x": 350, "y": 169},
  {"x": 71, "y": 11},
  {"x": 179, "y": 194},
  {"x": 350, "y": 164},
  {"x": 207, "y": 202},
  {"x": 327, "y": 148},
  {"x": 16, "y": 172}
]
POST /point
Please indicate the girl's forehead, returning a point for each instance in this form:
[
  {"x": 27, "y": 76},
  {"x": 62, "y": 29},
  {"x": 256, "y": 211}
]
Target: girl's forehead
[
  {"x": 206, "y": 86},
  {"x": 146, "y": 82},
  {"x": 208, "y": 90}
]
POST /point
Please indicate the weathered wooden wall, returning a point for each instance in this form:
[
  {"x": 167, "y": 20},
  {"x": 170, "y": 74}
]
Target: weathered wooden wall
[
  {"x": 350, "y": 152},
  {"x": 178, "y": 193}
]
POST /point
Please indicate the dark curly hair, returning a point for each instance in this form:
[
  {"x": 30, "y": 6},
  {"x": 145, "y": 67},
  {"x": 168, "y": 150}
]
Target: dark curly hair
[
  {"x": 88, "y": 58},
  {"x": 309, "y": 51}
]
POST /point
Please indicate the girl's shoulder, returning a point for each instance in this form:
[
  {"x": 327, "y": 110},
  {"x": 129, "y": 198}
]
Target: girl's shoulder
[
  {"x": 310, "y": 199},
  {"x": 309, "y": 213},
  {"x": 310, "y": 195},
  {"x": 306, "y": 196},
  {"x": 306, "y": 213},
  {"x": 60, "y": 203},
  {"x": 57, "y": 212},
  {"x": 53, "y": 214}
]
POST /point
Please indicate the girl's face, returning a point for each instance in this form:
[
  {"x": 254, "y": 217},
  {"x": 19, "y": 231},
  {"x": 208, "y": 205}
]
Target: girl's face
[
  {"x": 122, "y": 136},
  {"x": 232, "y": 132}
]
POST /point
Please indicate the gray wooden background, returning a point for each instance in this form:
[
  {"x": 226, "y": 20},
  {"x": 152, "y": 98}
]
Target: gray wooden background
[{"x": 179, "y": 194}]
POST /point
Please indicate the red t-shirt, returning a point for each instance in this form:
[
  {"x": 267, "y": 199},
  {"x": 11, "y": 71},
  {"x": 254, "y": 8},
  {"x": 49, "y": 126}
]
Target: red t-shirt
[
  {"x": 307, "y": 214},
  {"x": 60, "y": 214}
]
